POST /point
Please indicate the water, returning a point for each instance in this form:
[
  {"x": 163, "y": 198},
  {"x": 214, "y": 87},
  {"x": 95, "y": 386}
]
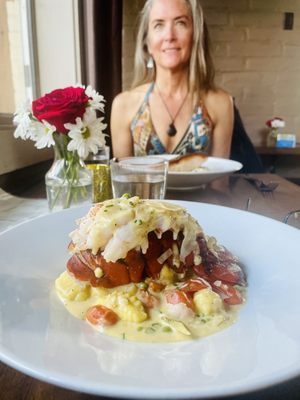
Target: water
[
  {"x": 146, "y": 186},
  {"x": 64, "y": 196}
]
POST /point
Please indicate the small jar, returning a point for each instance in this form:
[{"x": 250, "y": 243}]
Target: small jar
[{"x": 99, "y": 165}]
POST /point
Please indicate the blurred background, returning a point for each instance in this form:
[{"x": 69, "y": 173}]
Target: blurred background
[{"x": 50, "y": 44}]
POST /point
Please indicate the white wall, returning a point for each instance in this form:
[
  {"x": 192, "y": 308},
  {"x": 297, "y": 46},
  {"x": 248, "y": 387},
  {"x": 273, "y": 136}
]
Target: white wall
[{"x": 17, "y": 153}]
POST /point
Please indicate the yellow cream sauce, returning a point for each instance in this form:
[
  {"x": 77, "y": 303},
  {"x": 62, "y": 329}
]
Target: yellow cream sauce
[{"x": 158, "y": 327}]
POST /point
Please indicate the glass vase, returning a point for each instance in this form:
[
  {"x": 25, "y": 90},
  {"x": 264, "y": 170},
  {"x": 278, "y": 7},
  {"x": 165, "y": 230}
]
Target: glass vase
[
  {"x": 68, "y": 181},
  {"x": 272, "y": 137}
]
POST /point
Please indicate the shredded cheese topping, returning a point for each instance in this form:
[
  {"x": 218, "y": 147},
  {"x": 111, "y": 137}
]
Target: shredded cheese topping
[{"x": 116, "y": 226}]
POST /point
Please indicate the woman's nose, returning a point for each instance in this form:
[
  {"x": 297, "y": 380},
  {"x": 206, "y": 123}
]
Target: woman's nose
[{"x": 169, "y": 32}]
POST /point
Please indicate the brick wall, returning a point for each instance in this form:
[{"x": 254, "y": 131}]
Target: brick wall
[{"x": 256, "y": 60}]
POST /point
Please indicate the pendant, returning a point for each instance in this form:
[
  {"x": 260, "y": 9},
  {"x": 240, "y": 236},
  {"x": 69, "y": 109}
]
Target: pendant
[{"x": 171, "y": 130}]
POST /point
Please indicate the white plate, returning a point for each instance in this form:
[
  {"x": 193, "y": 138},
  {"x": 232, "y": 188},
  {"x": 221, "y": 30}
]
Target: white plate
[
  {"x": 214, "y": 168},
  {"x": 39, "y": 337}
]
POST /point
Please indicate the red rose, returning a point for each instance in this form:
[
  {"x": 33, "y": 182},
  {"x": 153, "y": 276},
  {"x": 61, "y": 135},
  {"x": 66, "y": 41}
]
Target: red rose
[
  {"x": 61, "y": 106},
  {"x": 269, "y": 123}
]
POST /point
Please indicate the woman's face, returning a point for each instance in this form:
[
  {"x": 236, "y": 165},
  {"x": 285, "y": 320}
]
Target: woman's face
[{"x": 170, "y": 34}]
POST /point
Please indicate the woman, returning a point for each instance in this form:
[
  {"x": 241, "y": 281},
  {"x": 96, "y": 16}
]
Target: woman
[{"x": 173, "y": 107}]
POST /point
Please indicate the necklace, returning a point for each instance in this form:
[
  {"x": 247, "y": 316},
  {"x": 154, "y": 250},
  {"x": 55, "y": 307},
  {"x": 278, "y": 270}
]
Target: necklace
[{"x": 171, "y": 131}]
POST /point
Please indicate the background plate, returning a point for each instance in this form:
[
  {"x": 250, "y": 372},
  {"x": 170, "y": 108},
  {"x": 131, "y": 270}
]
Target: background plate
[
  {"x": 214, "y": 168},
  {"x": 39, "y": 337}
]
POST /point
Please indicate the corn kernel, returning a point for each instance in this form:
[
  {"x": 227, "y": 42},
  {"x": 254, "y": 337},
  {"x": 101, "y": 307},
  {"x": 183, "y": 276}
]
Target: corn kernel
[{"x": 207, "y": 302}]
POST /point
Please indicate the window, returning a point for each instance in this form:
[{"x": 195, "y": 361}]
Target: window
[{"x": 17, "y": 67}]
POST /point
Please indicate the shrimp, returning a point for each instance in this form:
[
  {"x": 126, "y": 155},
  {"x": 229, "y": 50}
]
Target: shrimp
[
  {"x": 179, "y": 305},
  {"x": 147, "y": 299},
  {"x": 177, "y": 296}
]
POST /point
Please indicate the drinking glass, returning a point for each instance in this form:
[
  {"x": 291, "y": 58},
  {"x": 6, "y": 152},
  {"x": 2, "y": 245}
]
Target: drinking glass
[
  {"x": 139, "y": 176},
  {"x": 293, "y": 219}
]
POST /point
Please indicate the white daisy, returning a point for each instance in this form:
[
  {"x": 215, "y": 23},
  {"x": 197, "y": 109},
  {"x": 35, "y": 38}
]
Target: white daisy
[
  {"x": 96, "y": 101},
  {"x": 23, "y": 122},
  {"x": 87, "y": 134},
  {"x": 277, "y": 123},
  {"x": 43, "y": 134}
]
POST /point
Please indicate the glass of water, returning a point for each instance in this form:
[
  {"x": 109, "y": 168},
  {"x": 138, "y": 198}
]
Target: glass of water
[
  {"x": 139, "y": 176},
  {"x": 293, "y": 218}
]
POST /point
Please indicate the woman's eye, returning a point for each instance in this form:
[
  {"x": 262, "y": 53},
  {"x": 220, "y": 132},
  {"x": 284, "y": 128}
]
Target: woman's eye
[
  {"x": 181, "y": 23},
  {"x": 158, "y": 25}
]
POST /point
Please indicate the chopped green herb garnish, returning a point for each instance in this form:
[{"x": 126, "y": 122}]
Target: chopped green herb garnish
[
  {"x": 140, "y": 328},
  {"x": 123, "y": 335},
  {"x": 126, "y": 195},
  {"x": 142, "y": 285},
  {"x": 156, "y": 325},
  {"x": 166, "y": 329},
  {"x": 204, "y": 319},
  {"x": 150, "y": 330}
]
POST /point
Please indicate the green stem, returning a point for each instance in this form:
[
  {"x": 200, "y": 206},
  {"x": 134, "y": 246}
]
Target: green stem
[{"x": 69, "y": 174}]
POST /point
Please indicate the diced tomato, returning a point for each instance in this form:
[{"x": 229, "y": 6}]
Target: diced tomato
[
  {"x": 176, "y": 296},
  {"x": 228, "y": 293},
  {"x": 101, "y": 315}
]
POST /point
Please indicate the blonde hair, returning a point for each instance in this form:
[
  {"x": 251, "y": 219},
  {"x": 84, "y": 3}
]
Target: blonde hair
[{"x": 201, "y": 68}]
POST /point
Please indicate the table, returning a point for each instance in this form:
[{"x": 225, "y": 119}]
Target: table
[
  {"x": 271, "y": 155},
  {"x": 231, "y": 192},
  {"x": 236, "y": 192},
  {"x": 272, "y": 150}
]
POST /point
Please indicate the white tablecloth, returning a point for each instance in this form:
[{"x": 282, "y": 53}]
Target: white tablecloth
[{"x": 14, "y": 210}]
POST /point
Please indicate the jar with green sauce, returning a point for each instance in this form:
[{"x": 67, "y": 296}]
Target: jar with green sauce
[{"x": 99, "y": 165}]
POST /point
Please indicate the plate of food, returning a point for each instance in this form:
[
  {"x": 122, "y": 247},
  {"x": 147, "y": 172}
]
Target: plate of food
[
  {"x": 192, "y": 171},
  {"x": 141, "y": 291}
]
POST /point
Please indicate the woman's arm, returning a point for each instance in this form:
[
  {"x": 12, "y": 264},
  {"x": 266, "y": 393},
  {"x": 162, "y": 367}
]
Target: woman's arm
[
  {"x": 120, "y": 126},
  {"x": 220, "y": 108}
]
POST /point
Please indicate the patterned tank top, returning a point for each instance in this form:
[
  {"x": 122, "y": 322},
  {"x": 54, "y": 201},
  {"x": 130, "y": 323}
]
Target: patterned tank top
[{"x": 197, "y": 137}]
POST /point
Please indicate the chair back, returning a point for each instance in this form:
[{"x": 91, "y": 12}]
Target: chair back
[{"x": 242, "y": 148}]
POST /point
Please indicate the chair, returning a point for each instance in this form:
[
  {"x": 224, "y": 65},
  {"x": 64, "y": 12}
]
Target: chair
[{"x": 242, "y": 148}]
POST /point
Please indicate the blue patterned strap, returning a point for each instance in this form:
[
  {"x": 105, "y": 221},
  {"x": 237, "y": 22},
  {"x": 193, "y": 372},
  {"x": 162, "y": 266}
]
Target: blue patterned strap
[{"x": 149, "y": 91}]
